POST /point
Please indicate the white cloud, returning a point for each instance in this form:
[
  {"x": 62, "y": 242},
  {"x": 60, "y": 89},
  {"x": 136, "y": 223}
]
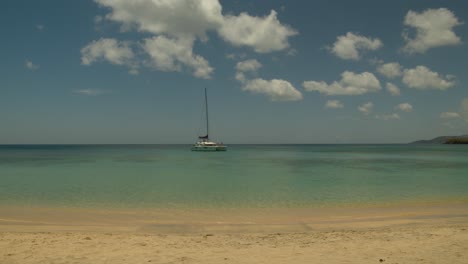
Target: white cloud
[
  {"x": 334, "y": 104},
  {"x": 349, "y": 46},
  {"x": 175, "y": 54},
  {"x": 40, "y": 27},
  {"x": 276, "y": 90},
  {"x": 90, "y": 92},
  {"x": 449, "y": 115},
  {"x": 111, "y": 50},
  {"x": 405, "y": 107},
  {"x": 463, "y": 113},
  {"x": 390, "y": 70},
  {"x": 175, "y": 17},
  {"x": 194, "y": 18},
  {"x": 240, "y": 76},
  {"x": 350, "y": 84},
  {"x": 177, "y": 24},
  {"x": 366, "y": 108},
  {"x": 263, "y": 34},
  {"x": 393, "y": 116},
  {"x": 434, "y": 28},
  {"x": 243, "y": 67},
  {"x": 423, "y": 78},
  {"x": 30, "y": 65},
  {"x": 393, "y": 89},
  {"x": 464, "y": 109},
  {"x": 248, "y": 65}
]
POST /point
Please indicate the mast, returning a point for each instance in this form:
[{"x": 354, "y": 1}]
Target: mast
[{"x": 206, "y": 110}]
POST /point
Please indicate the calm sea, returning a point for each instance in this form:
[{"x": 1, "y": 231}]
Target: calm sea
[{"x": 166, "y": 176}]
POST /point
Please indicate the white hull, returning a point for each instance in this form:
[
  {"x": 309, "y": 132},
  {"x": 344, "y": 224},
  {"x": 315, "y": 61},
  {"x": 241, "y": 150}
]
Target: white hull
[{"x": 202, "y": 147}]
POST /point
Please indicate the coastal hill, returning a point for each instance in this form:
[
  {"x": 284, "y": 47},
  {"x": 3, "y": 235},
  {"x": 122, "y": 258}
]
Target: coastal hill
[{"x": 444, "y": 140}]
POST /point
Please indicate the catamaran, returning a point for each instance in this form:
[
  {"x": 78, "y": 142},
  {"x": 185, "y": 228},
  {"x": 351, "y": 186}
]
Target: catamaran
[{"x": 204, "y": 143}]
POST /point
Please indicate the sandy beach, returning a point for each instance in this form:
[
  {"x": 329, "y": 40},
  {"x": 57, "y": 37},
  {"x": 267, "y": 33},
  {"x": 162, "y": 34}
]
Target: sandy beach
[{"x": 414, "y": 234}]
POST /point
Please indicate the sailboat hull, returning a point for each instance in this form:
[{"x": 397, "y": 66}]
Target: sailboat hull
[{"x": 209, "y": 148}]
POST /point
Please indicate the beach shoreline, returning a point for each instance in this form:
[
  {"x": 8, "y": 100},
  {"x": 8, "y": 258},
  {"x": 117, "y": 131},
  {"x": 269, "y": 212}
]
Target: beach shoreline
[
  {"x": 411, "y": 234},
  {"x": 23, "y": 218}
]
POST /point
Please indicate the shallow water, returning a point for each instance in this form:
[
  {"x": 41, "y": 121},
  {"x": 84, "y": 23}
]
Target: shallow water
[{"x": 168, "y": 176}]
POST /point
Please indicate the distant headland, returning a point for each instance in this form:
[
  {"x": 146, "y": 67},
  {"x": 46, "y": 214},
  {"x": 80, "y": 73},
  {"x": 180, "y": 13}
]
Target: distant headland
[{"x": 444, "y": 140}]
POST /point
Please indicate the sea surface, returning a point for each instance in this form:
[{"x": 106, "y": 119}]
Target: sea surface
[{"x": 246, "y": 176}]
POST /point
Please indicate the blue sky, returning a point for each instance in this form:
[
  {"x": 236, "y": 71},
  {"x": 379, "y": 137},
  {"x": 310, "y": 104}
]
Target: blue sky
[{"x": 120, "y": 71}]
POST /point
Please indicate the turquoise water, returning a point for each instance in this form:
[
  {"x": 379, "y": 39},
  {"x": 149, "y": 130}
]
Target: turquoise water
[{"x": 166, "y": 176}]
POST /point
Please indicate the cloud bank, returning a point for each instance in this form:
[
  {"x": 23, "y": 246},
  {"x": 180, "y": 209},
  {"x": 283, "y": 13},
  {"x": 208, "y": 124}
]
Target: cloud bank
[
  {"x": 176, "y": 25},
  {"x": 350, "y": 84}
]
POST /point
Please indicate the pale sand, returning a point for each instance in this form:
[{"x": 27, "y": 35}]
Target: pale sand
[{"x": 414, "y": 234}]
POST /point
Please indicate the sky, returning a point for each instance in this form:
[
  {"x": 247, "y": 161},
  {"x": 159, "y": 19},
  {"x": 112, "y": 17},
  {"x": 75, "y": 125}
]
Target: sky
[{"x": 279, "y": 71}]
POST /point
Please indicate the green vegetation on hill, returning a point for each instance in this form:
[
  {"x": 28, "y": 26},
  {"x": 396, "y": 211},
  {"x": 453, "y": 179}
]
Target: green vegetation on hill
[
  {"x": 445, "y": 140},
  {"x": 457, "y": 140}
]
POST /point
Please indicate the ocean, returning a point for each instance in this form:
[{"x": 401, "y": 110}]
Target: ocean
[{"x": 246, "y": 176}]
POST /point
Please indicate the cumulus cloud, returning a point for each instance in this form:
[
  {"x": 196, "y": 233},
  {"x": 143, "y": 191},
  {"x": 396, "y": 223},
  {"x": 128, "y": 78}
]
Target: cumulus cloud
[
  {"x": 423, "y": 78},
  {"x": 366, "y": 108},
  {"x": 434, "y": 28},
  {"x": 350, "y": 84},
  {"x": 349, "y": 46},
  {"x": 464, "y": 109},
  {"x": 276, "y": 90},
  {"x": 449, "y": 115},
  {"x": 176, "y": 25},
  {"x": 248, "y": 65},
  {"x": 393, "y": 89},
  {"x": 175, "y": 54},
  {"x": 462, "y": 113},
  {"x": 390, "y": 70},
  {"x": 108, "y": 49},
  {"x": 334, "y": 104},
  {"x": 240, "y": 76},
  {"x": 393, "y": 116},
  {"x": 175, "y": 18},
  {"x": 195, "y": 18},
  {"x": 405, "y": 107},
  {"x": 30, "y": 65},
  {"x": 263, "y": 34}
]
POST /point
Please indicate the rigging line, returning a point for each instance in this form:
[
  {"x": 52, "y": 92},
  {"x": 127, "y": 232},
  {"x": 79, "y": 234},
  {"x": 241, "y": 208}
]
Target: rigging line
[
  {"x": 207, "y": 119},
  {"x": 200, "y": 123}
]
